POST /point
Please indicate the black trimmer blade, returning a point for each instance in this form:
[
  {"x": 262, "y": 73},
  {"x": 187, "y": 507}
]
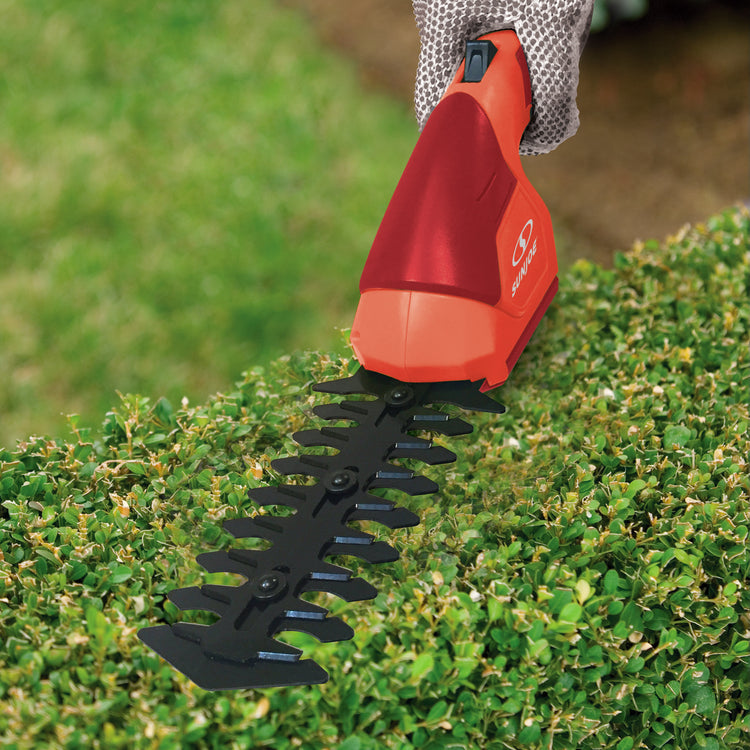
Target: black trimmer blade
[{"x": 240, "y": 650}]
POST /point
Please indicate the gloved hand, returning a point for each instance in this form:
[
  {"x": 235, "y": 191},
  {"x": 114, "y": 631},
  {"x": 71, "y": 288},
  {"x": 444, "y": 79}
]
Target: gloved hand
[{"x": 552, "y": 34}]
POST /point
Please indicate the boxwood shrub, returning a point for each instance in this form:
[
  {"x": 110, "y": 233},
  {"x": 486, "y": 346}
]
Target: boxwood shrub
[{"x": 581, "y": 581}]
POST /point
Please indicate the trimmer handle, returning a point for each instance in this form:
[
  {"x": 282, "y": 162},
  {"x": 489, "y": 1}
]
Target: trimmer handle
[{"x": 463, "y": 264}]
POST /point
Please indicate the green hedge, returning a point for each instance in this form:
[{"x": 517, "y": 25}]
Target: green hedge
[{"x": 581, "y": 581}]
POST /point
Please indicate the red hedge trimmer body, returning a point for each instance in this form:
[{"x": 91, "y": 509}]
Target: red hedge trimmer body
[{"x": 463, "y": 265}]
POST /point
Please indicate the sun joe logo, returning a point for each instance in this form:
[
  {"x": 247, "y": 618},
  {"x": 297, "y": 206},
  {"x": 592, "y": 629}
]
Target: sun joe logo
[{"x": 523, "y": 254}]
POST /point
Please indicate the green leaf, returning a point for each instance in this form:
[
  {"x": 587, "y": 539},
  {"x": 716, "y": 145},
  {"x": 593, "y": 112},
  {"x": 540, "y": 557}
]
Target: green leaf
[
  {"x": 96, "y": 622},
  {"x": 540, "y": 650},
  {"x": 438, "y": 711},
  {"x": 49, "y": 556},
  {"x": 571, "y": 612},
  {"x": 164, "y": 411},
  {"x": 702, "y": 699},
  {"x": 495, "y": 608},
  {"x": 631, "y": 616},
  {"x": 676, "y": 436},
  {"x": 121, "y": 574},
  {"x": 531, "y": 732},
  {"x": 583, "y": 589},
  {"x": 78, "y": 570},
  {"x": 611, "y": 582},
  {"x": 657, "y": 619},
  {"x": 635, "y": 665},
  {"x": 422, "y": 665},
  {"x": 634, "y": 488},
  {"x": 137, "y": 467}
]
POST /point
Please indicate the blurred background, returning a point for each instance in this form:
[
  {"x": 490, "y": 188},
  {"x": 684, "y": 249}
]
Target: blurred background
[
  {"x": 189, "y": 188},
  {"x": 664, "y": 97}
]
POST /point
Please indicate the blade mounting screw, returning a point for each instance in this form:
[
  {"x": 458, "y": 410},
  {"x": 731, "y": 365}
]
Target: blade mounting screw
[
  {"x": 340, "y": 482},
  {"x": 401, "y": 395},
  {"x": 269, "y": 585}
]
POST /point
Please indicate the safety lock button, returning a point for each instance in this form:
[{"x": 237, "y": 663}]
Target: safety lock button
[{"x": 479, "y": 55}]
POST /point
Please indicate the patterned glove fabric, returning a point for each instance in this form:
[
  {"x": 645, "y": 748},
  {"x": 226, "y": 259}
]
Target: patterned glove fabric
[{"x": 552, "y": 34}]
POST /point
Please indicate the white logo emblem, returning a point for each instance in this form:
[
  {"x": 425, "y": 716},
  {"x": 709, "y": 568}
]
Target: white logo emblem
[
  {"x": 523, "y": 255},
  {"x": 523, "y": 242}
]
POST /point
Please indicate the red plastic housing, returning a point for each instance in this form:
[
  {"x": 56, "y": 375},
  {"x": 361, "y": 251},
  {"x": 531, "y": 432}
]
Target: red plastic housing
[
  {"x": 438, "y": 234},
  {"x": 463, "y": 265}
]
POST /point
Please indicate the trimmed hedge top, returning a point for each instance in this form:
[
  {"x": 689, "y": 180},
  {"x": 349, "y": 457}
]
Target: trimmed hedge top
[{"x": 581, "y": 581}]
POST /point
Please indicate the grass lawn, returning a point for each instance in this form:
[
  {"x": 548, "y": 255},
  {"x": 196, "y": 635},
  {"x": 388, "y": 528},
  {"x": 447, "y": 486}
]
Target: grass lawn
[{"x": 189, "y": 188}]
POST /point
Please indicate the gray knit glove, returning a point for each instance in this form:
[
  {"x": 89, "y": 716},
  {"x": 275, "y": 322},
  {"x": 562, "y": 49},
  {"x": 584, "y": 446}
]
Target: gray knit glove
[{"x": 552, "y": 34}]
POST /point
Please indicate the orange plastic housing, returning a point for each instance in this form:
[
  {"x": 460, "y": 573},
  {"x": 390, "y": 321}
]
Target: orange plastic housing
[{"x": 463, "y": 265}]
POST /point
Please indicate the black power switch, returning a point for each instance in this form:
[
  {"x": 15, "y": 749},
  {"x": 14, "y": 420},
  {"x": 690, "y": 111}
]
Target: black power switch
[{"x": 478, "y": 58}]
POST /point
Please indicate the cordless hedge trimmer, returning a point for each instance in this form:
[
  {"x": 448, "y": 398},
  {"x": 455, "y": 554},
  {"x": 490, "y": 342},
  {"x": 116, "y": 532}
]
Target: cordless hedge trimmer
[{"x": 460, "y": 273}]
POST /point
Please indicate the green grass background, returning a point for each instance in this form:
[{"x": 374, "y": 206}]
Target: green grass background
[{"x": 187, "y": 188}]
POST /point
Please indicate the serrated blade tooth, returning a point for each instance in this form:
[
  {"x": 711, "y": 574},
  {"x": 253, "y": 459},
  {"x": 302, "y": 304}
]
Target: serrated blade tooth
[
  {"x": 350, "y": 590},
  {"x": 332, "y": 412},
  {"x": 223, "y": 562},
  {"x": 465, "y": 394},
  {"x": 312, "y": 466},
  {"x": 189, "y": 631},
  {"x": 302, "y": 610},
  {"x": 208, "y": 597},
  {"x": 422, "y": 450},
  {"x": 326, "y": 571},
  {"x": 440, "y": 423},
  {"x": 269, "y": 528},
  {"x": 414, "y": 443},
  {"x": 267, "y": 648},
  {"x": 347, "y": 535},
  {"x": 327, "y": 437},
  {"x": 278, "y": 651},
  {"x": 413, "y": 486},
  {"x": 393, "y": 518},
  {"x": 377, "y": 552},
  {"x": 354, "y": 410},
  {"x": 375, "y": 502},
  {"x": 289, "y": 495},
  {"x": 342, "y": 387},
  {"x": 207, "y": 673},
  {"x": 327, "y": 630},
  {"x": 221, "y": 594},
  {"x": 235, "y": 644},
  {"x": 192, "y": 598},
  {"x": 427, "y": 415},
  {"x": 390, "y": 471}
]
